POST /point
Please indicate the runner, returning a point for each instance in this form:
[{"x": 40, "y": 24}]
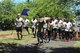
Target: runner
[
  {"x": 45, "y": 31},
  {"x": 49, "y": 29},
  {"x": 67, "y": 30},
  {"x": 19, "y": 24},
  {"x": 70, "y": 29},
  {"x": 26, "y": 23},
  {"x": 52, "y": 25},
  {"x": 63, "y": 29},
  {"x": 55, "y": 26},
  {"x": 60, "y": 23},
  {"x": 73, "y": 29},
  {"x": 40, "y": 32},
  {"x": 34, "y": 22}
]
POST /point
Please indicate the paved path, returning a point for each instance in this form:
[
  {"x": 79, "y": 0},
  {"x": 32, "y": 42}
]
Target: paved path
[
  {"x": 51, "y": 47},
  {"x": 57, "y": 47},
  {"x": 57, "y": 44}
]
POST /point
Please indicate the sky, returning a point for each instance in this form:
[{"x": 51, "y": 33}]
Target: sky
[
  {"x": 19, "y": 1},
  {"x": 0, "y": 0}
]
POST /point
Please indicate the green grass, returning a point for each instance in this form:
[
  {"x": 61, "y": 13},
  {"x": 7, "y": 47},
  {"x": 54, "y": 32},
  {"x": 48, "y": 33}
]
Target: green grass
[
  {"x": 26, "y": 39},
  {"x": 7, "y": 32},
  {"x": 77, "y": 44}
]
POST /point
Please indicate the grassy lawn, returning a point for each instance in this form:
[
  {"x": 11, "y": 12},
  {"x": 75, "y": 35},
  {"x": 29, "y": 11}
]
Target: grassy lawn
[
  {"x": 77, "y": 44},
  {"x": 7, "y": 32},
  {"x": 13, "y": 38}
]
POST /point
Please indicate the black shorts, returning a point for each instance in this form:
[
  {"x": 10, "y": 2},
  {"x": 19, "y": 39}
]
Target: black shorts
[
  {"x": 67, "y": 33},
  {"x": 26, "y": 28},
  {"x": 59, "y": 30},
  {"x": 40, "y": 34},
  {"x": 70, "y": 32},
  {"x": 18, "y": 29},
  {"x": 49, "y": 32},
  {"x": 74, "y": 33},
  {"x": 55, "y": 29}
]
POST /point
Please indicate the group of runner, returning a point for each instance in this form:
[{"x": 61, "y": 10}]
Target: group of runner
[{"x": 47, "y": 28}]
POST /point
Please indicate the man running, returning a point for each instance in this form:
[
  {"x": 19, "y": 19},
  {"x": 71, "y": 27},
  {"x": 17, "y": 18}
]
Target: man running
[
  {"x": 34, "y": 22},
  {"x": 67, "y": 30},
  {"x": 55, "y": 26},
  {"x": 60, "y": 23},
  {"x": 19, "y": 24},
  {"x": 63, "y": 29},
  {"x": 26, "y": 23},
  {"x": 40, "y": 32}
]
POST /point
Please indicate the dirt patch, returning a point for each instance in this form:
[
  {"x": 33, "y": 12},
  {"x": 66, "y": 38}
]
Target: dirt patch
[{"x": 6, "y": 35}]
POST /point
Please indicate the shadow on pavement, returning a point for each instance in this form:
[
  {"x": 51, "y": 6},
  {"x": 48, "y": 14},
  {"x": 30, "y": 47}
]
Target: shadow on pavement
[
  {"x": 15, "y": 48},
  {"x": 65, "y": 50}
]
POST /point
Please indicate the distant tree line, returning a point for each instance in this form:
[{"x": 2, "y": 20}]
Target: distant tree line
[{"x": 37, "y": 8}]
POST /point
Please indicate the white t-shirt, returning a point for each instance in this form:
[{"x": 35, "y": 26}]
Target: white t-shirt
[
  {"x": 64, "y": 24},
  {"x": 52, "y": 22},
  {"x": 19, "y": 22},
  {"x": 26, "y": 22},
  {"x": 55, "y": 23},
  {"x": 45, "y": 26},
  {"x": 55, "y": 20},
  {"x": 68, "y": 26},
  {"x": 74, "y": 23},
  {"x": 60, "y": 22},
  {"x": 34, "y": 23}
]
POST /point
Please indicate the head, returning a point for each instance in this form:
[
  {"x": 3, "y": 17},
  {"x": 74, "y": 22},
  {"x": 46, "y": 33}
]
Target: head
[
  {"x": 64, "y": 20},
  {"x": 40, "y": 20},
  {"x": 51, "y": 19},
  {"x": 33, "y": 18},
  {"x": 18, "y": 15},
  {"x": 56, "y": 18},
  {"x": 67, "y": 20},
  {"x": 71, "y": 20},
  {"x": 25, "y": 18},
  {"x": 45, "y": 16}
]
